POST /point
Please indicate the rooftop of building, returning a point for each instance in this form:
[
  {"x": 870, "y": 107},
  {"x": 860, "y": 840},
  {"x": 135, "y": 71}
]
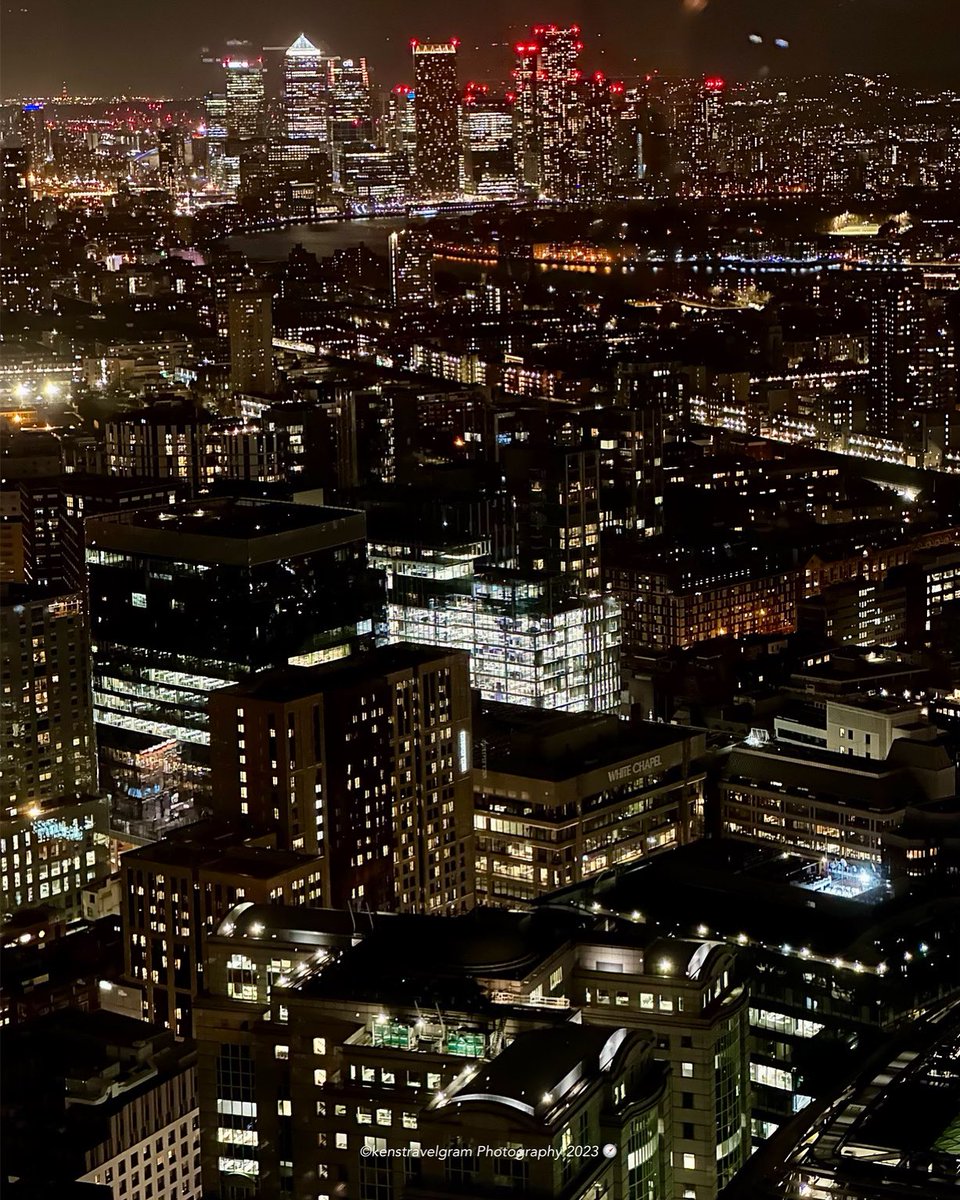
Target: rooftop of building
[
  {"x": 165, "y": 411},
  {"x": 219, "y": 848},
  {"x": 431, "y": 961},
  {"x": 883, "y": 705},
  {"x": 879, "y": 786},
  {"x": 240, "y": 518},
  {"x": 84, "y": 1069},
  {"x": 686, "y": 566},
  {"x": 284, "y": 685},
  {"x": 294, "y": 923},
  {"x": 70, "y": 952},
  {"x": 226, "y": 531},
  {"x": 853, "y": 668},
  {"x": 733, "y": 889},
  {"x": 114, "y": 487},
  {"x": 20, "y": 595},
  {"x": 539, "y": 744},
  {"x": 542, "y": 1070}
]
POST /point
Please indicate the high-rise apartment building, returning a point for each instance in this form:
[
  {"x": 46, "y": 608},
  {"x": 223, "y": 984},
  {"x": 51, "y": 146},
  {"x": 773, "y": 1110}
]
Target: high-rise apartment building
[
  {"x": 895, "y": 344},
  {"x": 708, "y": 130},
  {"x": 436, "y": 109},
  {"x": 550, "y": 519},
  {"x": 47, "y": 746},
  {"x": 558, "y": 103},
  {"x": 306, "y": 91},
  {"x": 32, "y": 126},
  {"x": 366, "y": 764},
  {"x": 164, "y": 442},
  {"x": 411, "y": 268},
  {"x": 176, "y": 891},
  {"x": 526, "y": 114},
  {"x": 176, "y": 448},
  {"x": 251, "y": 343},
  {"x": 190, "y": 597},
  {"x": 53, "y": 826},
  {"x": 14, "y": 188},
  {"x": 245, "y": 98},
  {"x": 565, "y": 125}
]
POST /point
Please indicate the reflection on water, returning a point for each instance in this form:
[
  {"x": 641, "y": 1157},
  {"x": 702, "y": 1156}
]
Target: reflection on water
[{"x": 640, "y": 280}]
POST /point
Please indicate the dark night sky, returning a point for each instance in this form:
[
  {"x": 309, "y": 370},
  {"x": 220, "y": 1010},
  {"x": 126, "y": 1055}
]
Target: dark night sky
[{"x": 148, "y": 46}]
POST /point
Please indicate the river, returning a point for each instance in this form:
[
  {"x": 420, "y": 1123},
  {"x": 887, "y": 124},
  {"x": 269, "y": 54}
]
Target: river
[
  {"x": 642, "y": 281},
  {"x": 321, "y": 239}
]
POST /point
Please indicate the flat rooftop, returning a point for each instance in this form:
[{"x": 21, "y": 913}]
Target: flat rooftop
[
  {"x": 441, "y": 960},
  {"x": 285, "y": 684},
  {"x": 785, "y": 767},
  {"x": 229, "y": 517},
  {"x": 216, "y": 846},
  {"x": 227, "y": 530},
  {"x": 730, "y": 886},
  {"x": 551, "y": 746}
]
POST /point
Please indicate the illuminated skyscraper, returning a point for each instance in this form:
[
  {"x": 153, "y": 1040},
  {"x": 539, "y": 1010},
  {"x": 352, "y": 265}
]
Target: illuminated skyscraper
[
  {"x": 601, "y": 102},
  {"x": 488, "y": 133},
  {"x": 557, "y": 102},
  {"x": 245, "y": 98},
  {"x": 33, "y": 130},
  {"x": 708, "y": 131},
  {"x": 436, "y": 109},
  {"x": 526, "y": 138},
  {"x": 350, "y": 113},
  {"x": 365, "y": 763},
  {"x": 548, "y": 109},
  {"x": 251, "y": 343},
  {"x": 895, "y": 341},
  {"x": 401, "y": 126},
  {"x": 215, "y": 125},
  {"x": 411, "y": 268},
  {"x": 14, "y": 188},
  {"x": 306, "y": 90},
  {"x": 52, "y": 827}
]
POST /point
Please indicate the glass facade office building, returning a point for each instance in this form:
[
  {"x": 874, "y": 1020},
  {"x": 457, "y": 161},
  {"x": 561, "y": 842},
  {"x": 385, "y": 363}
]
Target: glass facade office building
[{"x": 190, "y": 598}]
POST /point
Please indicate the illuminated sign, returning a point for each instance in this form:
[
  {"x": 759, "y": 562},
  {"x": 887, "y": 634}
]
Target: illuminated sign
[
  {"x": 49, "y": 828},
  {"x": 463, "y": 750},
  {"x": 632, "y": 770}
]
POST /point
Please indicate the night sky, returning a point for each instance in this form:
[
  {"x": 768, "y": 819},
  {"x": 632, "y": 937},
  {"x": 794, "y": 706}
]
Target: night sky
[{"x": 153, "y": 47}]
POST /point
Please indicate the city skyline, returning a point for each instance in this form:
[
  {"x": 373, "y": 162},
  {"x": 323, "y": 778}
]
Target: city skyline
[
  {"x": 480, "y": 602},
  {"x": 49, "y": 43}
]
